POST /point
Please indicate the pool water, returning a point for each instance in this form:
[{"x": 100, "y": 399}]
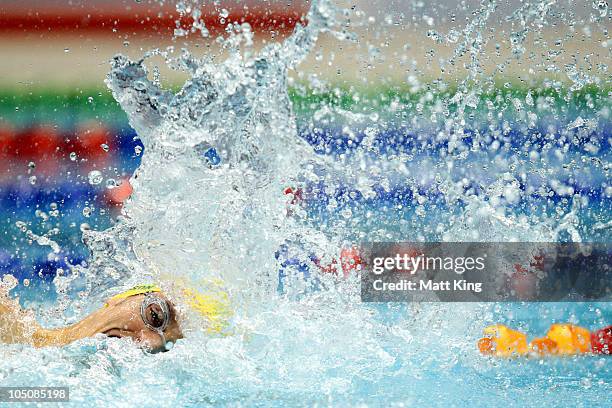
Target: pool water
[{"x": 400, "y": 359}]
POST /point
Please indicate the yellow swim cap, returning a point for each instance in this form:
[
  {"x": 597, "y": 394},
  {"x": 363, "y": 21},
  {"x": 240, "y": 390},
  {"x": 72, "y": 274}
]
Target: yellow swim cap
[
  {"x": 213, "y": 305},
  {"x": 136, "y": 290},
  {"x": 212, "y": 302}
]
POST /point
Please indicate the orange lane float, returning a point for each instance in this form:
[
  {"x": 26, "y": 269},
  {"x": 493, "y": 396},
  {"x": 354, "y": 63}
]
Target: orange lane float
[
  {"x": 294, "y": 193},
  {"x": 570, "y": 339},
  {"x": 542, "y": 346},
  {"x": 561, "y": 339},
  {"x": 350, "y": 261},
  {"x": 118, "y": 195},
  {"x": 501, "y": 341},
  {"x": 295, "y": 198}
]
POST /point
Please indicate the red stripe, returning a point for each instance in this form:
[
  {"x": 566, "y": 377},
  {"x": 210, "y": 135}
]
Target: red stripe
[{"x": 260, "y": 21}]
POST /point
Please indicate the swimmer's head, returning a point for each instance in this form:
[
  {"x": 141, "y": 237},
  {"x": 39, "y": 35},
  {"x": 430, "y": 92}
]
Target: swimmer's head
[{"x": 147, "y": 316}]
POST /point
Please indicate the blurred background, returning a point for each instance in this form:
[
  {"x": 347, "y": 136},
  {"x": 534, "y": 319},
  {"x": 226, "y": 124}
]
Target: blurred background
[{"x": 67, "y": 151}]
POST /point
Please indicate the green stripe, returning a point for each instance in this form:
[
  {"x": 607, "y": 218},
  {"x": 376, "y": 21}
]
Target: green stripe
[{"x": 67, "y": 107}]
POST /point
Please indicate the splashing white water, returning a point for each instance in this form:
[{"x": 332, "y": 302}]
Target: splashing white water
[{"x": 208, "y": 197}]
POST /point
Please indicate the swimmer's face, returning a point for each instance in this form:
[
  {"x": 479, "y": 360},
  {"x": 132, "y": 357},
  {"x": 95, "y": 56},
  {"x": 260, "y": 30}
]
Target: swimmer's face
[{"x": 122, "y": 318}]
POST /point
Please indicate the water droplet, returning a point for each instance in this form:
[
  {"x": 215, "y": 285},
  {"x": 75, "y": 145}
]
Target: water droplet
[
  {"x": 209, "y": 154},
  {"x": 73, "y": 156},
  {"x": 66, "y": 50},
  {"x": 181, "y": 7},
  {"x": 87, "y": 211},
  {"x": 140, "y": 86},
  {"x": 420, "y": 211},
  {"x": 95, "y": 177},
  {"x": 180, "y": 32},
  {"x": 111, "y": 183},
  {"x": 601, "y": 6},
  {"x": 138, "y": 150},
  {"x": 224, "y": 13},
  {"x": 452, "y": 36},
  {"x": 104, "y": 147},
  {"x": 586, "y": 383},
  {"x": 33, "y": 180}
]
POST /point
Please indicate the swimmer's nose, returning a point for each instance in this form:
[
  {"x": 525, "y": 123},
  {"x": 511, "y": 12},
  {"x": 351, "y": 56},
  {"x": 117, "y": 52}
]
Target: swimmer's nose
[{"x": 152, "y": 342}]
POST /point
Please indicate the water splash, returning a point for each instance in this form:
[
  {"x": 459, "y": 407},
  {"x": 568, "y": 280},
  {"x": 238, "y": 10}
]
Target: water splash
[{"x": 208, "y": 197}]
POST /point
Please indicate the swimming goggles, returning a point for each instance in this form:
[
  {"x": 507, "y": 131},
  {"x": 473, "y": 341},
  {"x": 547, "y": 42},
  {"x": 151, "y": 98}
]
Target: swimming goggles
[{"x": 155, "y": 314}]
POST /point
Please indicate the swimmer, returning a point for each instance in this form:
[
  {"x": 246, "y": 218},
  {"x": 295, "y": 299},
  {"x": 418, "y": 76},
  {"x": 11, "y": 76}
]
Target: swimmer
[{"x": 143, "y": 314}]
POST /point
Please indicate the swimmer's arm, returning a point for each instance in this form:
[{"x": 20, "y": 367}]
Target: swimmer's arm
[
  {"x": 88, "y": 327},
  {"x": 54, "y": 337},
  {"x": 15, "y": 325},
  {"x": 19, "y": 326}
]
